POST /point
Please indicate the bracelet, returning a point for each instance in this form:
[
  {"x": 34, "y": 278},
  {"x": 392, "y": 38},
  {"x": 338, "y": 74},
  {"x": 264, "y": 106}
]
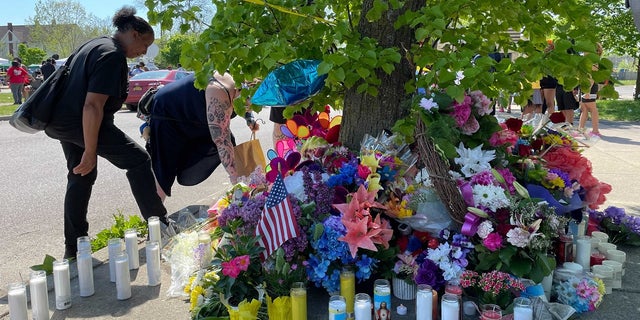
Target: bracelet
[{"x": 248, "y": 116}]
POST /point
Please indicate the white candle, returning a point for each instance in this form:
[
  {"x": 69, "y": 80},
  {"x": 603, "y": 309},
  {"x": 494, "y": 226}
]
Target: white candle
[
  {"x": 17, "y": 301},
  {"x": 152, "y": 251},
  {"x": 85, "y": 273},
  {"x": 603, "y": 247},
  {"x": 424, "y": 302},
  {"x": 123, "y": 280},
  {"x": 583, "y": 252},
  {"x": 522, "y": 309},
  {"x": 617, "y": 272},
  {"x": 547, "y": 283},
  {"x": 84, "y": 244},
  {"x": 115, "y": 248},
  {"x": 617, "y": 255},
  {"x": 450, "y": 307},
  {"x": 62, "y": 284},
  {"x": 155, "y": 234},
  {"x": 600, "y": 235},
  {"x": 362, "y": 307},
  {"x": 39, "y": 295},
  {"x": 131, "y": 243},
  {"x": 337, "y": 308},
  {"x": 605, "y": 273}
]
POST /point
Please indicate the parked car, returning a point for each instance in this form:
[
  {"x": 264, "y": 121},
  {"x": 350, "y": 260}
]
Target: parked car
[{"x": 140, "y": 83}]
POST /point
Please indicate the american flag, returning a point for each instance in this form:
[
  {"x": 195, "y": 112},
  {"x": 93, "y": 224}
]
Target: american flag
[{"x": 277, "y": 224}]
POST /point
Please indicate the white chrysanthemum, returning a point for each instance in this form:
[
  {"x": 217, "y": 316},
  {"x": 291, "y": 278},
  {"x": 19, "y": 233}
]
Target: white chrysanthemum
[
  {"x": 295, "y": 185},
  {"x": 484, "y": 229},
  {"x": 428, "y": 104},
  {"x": 450, "y": 270},
  {"x": 441, "y": 253},
  {"x": 474, "y": 160},
  {"x": 518, "y": 237},
  {"x": 492, "y": 197}
]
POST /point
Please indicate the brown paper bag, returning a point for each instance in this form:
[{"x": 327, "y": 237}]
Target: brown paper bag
[{"x": 249, "y": 156}]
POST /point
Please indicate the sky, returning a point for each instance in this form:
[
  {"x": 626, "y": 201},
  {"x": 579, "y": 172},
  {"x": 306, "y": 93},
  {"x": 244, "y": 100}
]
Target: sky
[{"x": 20, "y": 10}]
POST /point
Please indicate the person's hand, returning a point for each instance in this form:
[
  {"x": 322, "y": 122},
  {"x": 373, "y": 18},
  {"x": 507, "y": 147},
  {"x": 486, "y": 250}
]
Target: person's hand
[
  {"x": 87, "y": 164},
  {"x": 254, "y": 126}
]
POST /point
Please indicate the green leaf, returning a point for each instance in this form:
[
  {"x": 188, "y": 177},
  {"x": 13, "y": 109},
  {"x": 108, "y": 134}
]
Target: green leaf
[
  {"x": 421, "y": 33},
  {"x": 362, "y": 72},
  {"x": 324, "y": 67},
  {"x": 519, "y": 266}
]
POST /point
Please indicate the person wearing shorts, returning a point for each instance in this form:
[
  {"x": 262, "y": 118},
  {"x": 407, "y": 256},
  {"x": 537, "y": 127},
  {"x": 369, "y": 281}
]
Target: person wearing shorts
[
  {"x": 548, "y": 86},
  {"x": 567, "y": 103}
]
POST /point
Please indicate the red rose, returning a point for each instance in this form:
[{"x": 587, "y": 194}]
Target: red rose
[
  {"x": 514, "y": 124},
  {"x": 524, "y": 150},
  {"x": 557, "y": 117}
]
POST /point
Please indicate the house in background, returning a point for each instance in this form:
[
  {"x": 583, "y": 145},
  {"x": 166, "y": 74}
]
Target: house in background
[{"x": 10, "y": 37}]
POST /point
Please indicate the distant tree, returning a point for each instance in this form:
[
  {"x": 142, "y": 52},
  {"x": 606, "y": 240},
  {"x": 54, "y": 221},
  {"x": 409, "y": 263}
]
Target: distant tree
[
  {"x": 60, "y": 26},
  {"x": 171, "y": 49},
  {"x": 190, "y": 15},
  {"x": 31, "y": 55}
]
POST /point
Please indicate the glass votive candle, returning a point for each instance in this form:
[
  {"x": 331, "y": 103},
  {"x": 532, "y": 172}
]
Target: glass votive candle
[
  {"x": 617, "y": 255},
  {"x": 606, "y": 274},
  {"x": 522, "y": 309},
  {"x": 362, "y": 307},
  {"x": 490, "y": 312},
  {"x": 606, "y": 246},
  {"x": 597, "y": 257},
  {"x": 617, "y": 272},
  {"x": 600, "y": 235}
]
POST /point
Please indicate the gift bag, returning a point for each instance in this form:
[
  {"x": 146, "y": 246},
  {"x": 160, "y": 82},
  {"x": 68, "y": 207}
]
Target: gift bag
[{"x": 249, "y": 156}]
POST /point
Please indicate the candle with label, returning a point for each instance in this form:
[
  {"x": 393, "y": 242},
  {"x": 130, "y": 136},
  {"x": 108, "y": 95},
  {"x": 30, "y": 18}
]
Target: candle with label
[
  {"x": 62, "y": 284},
  {"x": 39, "y": 295},
  {"x": 382, "y": 297},
  {"x": 298, "y": 295},
  {"x": 17, "y": 295},
  {"x": 348, "y": 288},
  {"x": 337, "y": 308},
  {"x": 424, "y": 302},
  {"x": 131, "y": 245}
]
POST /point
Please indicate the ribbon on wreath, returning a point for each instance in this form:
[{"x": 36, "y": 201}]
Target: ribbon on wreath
[{"x": 471, "y": 224}]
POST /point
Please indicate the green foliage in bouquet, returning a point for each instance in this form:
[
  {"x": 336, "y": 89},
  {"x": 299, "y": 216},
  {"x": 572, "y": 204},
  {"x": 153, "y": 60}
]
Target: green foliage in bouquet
[
  {"x": 238, "y": 263},
  {"x": 279, "y": 275}
]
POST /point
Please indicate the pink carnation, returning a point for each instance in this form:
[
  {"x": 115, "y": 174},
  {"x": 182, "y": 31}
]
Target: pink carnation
[
  {"x": 462, "y": 111},
  {"x": 471, "y": 126},
  {"x": 503, "y": 137},
  {"x": 493, "y": 241}
]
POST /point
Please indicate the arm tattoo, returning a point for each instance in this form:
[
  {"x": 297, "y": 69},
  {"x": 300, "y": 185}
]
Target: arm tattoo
[{"x": 219, "y": 118}]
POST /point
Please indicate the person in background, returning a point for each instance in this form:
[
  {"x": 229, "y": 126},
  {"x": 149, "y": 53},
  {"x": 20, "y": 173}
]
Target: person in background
[
  {"x": 190, "y": 134},
  {"x": 17, "y": 75},
  {"x": 180, "y": 68},
  {"x": 48, "y": 68},
  {"x": 84, "y": 124},
  {"x": 136, "y": 70},
  {"x": 588, "y": 104},
  {"x": 142, "y": 66}
]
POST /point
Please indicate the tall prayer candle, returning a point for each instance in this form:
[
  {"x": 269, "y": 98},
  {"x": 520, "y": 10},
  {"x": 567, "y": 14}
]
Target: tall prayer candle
[
  {"x": 348, "y": 288},
  {"x": 39, "y": 295},
  {"x": 522, "y": 309},
  {"x": 17, "y": 295},
  {"x": 62, "y": 284},
  {"x": 337, "y": 308},
  {"x": 362, "y": 306},
  {"x": 298, "y": 295},
  {"x": 583, "y": 251},
  {"x": 85, "y": 272},
  {"x": 381, "y": 295},
  {"x": 152, "y": 251},
  {"x": 115, "y": 248},
  {"x": 424, "y": 302},
  {"x": 153, "y": 224},
  {"x": 131, "y": 245},
  {"x": 123, "y": 279},
  {"x": 450, "y": 307},
  {"x": 84, "y": 244}
]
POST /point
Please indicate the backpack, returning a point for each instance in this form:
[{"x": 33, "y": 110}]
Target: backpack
[{"x": 146, "y": 101}]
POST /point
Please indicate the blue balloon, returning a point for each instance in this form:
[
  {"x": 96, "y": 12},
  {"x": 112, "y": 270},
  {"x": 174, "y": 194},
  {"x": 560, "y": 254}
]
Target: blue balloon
[{"x": 289, "y": 84}]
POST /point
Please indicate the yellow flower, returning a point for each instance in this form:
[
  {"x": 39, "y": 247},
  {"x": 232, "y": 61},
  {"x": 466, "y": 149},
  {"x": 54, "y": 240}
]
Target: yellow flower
[
  {"x": 187, "y": 288},
  {"x": 195, "y": 296},
  {"x": 374, "y": 182},
  {"x": 370, "y": 161},
  {"x": 404, "y": 212},
  {"x": 212, "y": 276}
]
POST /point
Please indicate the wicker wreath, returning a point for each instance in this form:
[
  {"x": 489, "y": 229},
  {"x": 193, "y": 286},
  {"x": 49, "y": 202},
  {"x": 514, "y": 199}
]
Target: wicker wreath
[{"x": 445, "y": 187}]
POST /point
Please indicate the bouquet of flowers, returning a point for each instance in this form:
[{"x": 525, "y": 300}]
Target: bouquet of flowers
[
  {"x": 621, "y": 227},
  {"x": 495, "y": 287},
  {"x": 582, "y": 293}
]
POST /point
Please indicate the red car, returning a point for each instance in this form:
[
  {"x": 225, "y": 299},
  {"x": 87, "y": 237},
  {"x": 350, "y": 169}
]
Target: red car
[{"x": 141, "y": 82}]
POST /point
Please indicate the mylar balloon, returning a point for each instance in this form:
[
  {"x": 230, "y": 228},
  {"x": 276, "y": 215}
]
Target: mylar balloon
[{"x": 289, "y": 84}]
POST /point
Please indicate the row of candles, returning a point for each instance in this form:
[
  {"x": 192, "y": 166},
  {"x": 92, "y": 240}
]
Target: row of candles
[
  {"x": 122, "y": 259},
  {"x": 349, "y": 305}
]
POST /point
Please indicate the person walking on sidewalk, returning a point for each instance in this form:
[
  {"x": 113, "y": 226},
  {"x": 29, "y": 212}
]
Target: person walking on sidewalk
[
  {"x": 17, "y": 75},
  {"x": 84, "y": 123}
]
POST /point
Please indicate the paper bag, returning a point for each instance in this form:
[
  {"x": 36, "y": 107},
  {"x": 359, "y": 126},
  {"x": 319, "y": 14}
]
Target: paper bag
[{"x": 249, "y": 156}]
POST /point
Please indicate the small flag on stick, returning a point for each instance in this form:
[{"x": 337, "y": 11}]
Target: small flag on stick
[{"x": 277, "y": 224}]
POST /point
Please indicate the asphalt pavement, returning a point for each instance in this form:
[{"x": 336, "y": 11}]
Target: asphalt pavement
[{"x": 614, "y": 158}]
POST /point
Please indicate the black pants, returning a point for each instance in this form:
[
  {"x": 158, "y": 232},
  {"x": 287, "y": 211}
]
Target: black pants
[{"x": 124, "y": 153}]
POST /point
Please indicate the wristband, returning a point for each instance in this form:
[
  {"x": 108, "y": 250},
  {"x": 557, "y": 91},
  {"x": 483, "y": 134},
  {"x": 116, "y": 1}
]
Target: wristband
[{"x": 248, "y": 116}]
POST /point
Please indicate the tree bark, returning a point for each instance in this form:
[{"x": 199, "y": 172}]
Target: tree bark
[
  {"x": 364, "y": 113},
  {"x": 636, "y": 93}
]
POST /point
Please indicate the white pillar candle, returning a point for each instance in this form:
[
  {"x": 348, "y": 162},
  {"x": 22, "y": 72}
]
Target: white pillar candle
[
  {"x": 131, "y": 244},
  {"x": 84, "y": 244},
  {"x": 603, "y": 247},
  {"x": 152, "y": 252},
  {"x": 617, "y": 272},
  {"x": 450, "y": 307},
  {"x": 600, "y": 235},
  {"x": 583, "y": 252},
  {"x": 424, "y": 302},
  {"x": 123, "y": 279},
  {"x": 39, "y": 295},
  {"x": 605, "y": 273},
  {"x": 85, "y": 273},
  {"x": 547, "y": 283},
  {"x": 337, "y": 308},
  {"x": 522, "y": 309},
  {"x": 362, "y": 306},
  {"x": 617, "y": 255},
  {"x": 155, "y": 234},
  {"x": 62, "y": 284},
  {"x": 115, "y": 248},
  {"x": 17, "y": 295}
]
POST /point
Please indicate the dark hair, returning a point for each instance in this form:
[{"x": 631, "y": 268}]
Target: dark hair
[
  {"x": 125, "y": 20},
  {"x": 15, "y": 64}
]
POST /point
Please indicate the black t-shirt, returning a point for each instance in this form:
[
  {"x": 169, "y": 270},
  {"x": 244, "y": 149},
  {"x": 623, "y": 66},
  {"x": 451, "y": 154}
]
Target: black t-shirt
[
  {"x": 47, "y": 70},
  {"x": 100, "y": 66}
]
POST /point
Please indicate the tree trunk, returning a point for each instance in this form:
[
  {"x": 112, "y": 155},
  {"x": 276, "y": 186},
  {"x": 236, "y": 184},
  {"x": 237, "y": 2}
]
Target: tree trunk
[
  {"x": 635, "y": 11},
  {"x": 636, "y": 93},
  {"x": 364, "y": 113}
]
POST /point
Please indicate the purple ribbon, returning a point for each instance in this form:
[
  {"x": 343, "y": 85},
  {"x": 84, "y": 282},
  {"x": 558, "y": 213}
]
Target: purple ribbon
[
  {"x": 471, "y": 223},
  {"x": 467, "y": 194}
]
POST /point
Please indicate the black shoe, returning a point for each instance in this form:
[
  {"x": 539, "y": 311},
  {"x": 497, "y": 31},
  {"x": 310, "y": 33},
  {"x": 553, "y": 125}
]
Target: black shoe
[{"x": 70, "y": 252}]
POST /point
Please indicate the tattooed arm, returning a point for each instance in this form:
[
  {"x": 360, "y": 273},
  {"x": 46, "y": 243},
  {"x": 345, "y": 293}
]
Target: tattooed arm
[{"x": 219, "y": 110}]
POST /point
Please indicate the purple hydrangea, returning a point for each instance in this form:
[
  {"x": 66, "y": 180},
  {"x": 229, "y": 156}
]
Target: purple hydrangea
[{"x": 429, "y": 273}]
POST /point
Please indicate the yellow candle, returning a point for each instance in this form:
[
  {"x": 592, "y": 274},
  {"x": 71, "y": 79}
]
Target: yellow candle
[
  {"x": 298, "y": 295},
  {"x": 348, "y": 288}
]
